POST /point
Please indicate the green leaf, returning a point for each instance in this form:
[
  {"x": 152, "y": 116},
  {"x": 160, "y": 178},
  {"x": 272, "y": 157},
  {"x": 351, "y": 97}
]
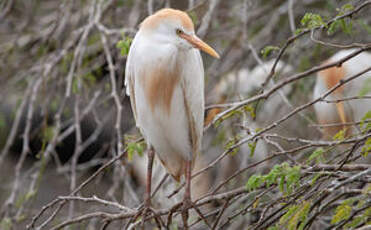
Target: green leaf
[
  {"x": 250, "y": 110},
  {"x": 268, "y": 49},
  {"x": 316, "y": 154},
  {"x": 124, "y": 45},
  {"x": 339, "y": 136},
  {"x": 296, "y": 214},
  {"x": 48, "y": 133},
  {"x": 256, "y": 203},
  {"x": 298, "y": 31},
  {"x": 333, "y": 27},
  {"x": 366, "y": 149},
  {"x": 254, "y": 182},
  {"x": 227, "y": 116},
  {"x": 367, "y": 212},
  {"x": 365, "y": 26},
  {"x": 252, "y": 147},
  {"x": 315, "y": 178},
  {"x": 342, "y": 212},
  {"x": 346, "y": 26},
  {"x": 288, "y": 214},
  {"x": 347, "y": 7},
  {"x": 365, "y": 126},
  {"x": 273, "y": 228},
  {"x": 300, "y": 216},
  {"x": 356, "y": 221},
  {"x": 293, "y": 177},
  {"x": 311, "y": 21},
  {"x": 272, "y": 176},
  {"x": 135, "y": 148},
  {"x": 286, "y": 177},
  {"x": 231, "y": 143}
]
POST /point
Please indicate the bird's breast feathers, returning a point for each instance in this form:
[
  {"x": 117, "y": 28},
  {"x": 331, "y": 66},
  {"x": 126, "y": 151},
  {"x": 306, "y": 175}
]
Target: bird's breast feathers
[
  {"x": 160, "y": 69},
  {"x": 159, "y": 83}
]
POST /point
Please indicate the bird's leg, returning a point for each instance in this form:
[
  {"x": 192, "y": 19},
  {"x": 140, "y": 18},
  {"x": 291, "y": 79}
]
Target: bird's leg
[
  {"x": 147, "y": 199},
  {"x": 187, "y": 202}
]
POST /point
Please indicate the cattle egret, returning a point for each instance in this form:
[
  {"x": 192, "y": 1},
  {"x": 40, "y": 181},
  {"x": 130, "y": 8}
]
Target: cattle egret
[
  {"x": 333, "y": 115},
  {"x": 165, "y": 81},
  {"x": 240, "y": 84}
]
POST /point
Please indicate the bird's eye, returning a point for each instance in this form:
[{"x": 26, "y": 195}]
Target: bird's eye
[{"x": 179, "y": 31}]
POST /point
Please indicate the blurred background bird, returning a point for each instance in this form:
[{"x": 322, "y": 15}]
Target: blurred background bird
[
  {"x": 234, "y": 86},
  {"x": 165, "y": 81},
  {"x": 334, "y": 116}
]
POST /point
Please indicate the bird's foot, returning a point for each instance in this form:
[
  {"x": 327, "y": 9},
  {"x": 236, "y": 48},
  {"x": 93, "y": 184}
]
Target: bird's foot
[
  {"x": 147, "y": 213},
  {"x": 184, "y": 208},
  {"x": 172, "y": 211},
  {"x": 187, "y": 205}
]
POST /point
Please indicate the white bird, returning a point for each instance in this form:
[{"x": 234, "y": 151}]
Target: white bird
[
  {"x": 165, "y": 80},
  {"x": 333, "y": 115},
  {"x": 240, "y": 84}
]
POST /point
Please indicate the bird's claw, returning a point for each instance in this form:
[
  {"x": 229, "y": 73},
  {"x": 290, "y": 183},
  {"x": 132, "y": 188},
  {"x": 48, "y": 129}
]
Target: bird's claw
[
  {"x": 186, "y": 205},
  {"x": 145, "y": 212},
  {"x": 172, "y": 211}
]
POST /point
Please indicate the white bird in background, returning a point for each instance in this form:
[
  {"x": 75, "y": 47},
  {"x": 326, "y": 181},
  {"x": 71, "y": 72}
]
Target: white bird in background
[
  {"x": 336, "y": 114},
  {"x": 240, "y": 84},
  {"x": 165, "y": 80}
]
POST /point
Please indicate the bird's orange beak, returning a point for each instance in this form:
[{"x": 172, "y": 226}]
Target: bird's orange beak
[{"x": 199, "y": 44}]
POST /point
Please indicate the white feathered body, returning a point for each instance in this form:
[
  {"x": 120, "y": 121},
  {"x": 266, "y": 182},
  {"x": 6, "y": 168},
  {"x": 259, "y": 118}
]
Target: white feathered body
[
  {"x": 354, "y": 110},
  {"x": 166, "y": 86}
]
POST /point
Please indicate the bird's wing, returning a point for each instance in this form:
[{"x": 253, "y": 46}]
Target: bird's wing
[
  {"x": 130, "y": 78},
  {"x": 194, "y": 102}
]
